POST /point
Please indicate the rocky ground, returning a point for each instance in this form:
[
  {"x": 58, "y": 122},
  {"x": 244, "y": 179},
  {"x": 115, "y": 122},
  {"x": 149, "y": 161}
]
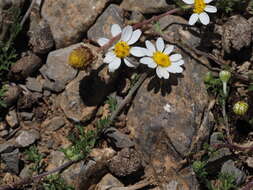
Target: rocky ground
[{"x": 166, "y": 137}]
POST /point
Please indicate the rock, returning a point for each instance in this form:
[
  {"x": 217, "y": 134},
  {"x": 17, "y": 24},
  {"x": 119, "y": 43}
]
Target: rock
[
  {"x": 24, "y": 67},
  {"x": 108, "y": 181},
  {"x": 33, "y": 84},
  {"x": 55, "y": 123},
  {"x": 26, "y": 138},
  {"x": 126, "y": 162},
  {"x": 57, "y": 86},
  {"x": 26, "y": 171},
  {"x": 57, "y": 68},
  {"x": 26, "y": 116},
  {"x": 11, "y": 95},
  {"x": 229, "y": 168},
  {"x": 146, "y": 7},
  {"x": 119, "y": 139},
  {"x": 12, "y": 118},
  {"x": 70, "y": 20},
  {"x": 7, "y": 147},
  {"x": 249, "y": 162},
  {"x": 81, "y": 97},
  {"x": 4, "y": 133},
  {"x": 69, "y": 175},
  {"x": 12, "y": 160},
  {"x": 216, "y": 160},
  {"x": 41, "y": 38},
  {"x": 95, "y": 169},
  {"x": 27, "y": 100},
  {"x": 164, "y": 137},
  {"x": 3, "y": 126},
  {"x": 102, "y": 28},
  {"x": 236, "y": 34}
]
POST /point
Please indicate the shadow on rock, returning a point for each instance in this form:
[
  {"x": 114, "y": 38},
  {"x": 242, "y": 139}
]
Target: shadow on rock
[
  {"x": 163, "y": 85},
  {"x": 93, "y": 88}
]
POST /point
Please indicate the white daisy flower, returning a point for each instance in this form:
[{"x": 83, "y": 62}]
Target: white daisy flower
[
  {"x": 199, "y": 11},
  {"x": 122, "y": 49},
  {"x": 159, "y": 58}
]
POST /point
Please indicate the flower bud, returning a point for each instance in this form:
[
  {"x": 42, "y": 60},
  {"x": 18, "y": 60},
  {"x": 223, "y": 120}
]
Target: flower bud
[
  {"x": 225, "y": 76},
  {"x": 240, "y": 108},
  {"x": 80, "y": 57}
]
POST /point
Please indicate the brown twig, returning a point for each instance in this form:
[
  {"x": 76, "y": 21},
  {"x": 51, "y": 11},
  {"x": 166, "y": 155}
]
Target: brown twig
[{"x": 27, "y": 13}]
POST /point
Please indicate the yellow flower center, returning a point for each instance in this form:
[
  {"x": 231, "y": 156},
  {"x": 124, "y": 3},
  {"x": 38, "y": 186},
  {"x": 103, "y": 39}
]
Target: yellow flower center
[
  {"x": 199, "y": 6},
  {"x": 161, "y": 59},
  {"x": 122, "y": 49}
]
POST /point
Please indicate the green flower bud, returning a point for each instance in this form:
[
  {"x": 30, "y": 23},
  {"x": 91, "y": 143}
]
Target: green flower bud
[
  {"x": 240, "y": 108},
  {"x": 225, "y": 76}
]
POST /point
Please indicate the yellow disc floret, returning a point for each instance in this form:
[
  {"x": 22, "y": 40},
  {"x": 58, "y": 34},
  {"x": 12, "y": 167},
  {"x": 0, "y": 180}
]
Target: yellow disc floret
[
  {"x": 161, "y": 59},
  {"x": 122, "y": 49},
  {"x": 80, "y": 57},
  {"x": 199, "y": 6}
]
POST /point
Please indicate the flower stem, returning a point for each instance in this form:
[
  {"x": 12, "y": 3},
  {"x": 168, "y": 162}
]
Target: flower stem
[{"x": 224, "y": 84}]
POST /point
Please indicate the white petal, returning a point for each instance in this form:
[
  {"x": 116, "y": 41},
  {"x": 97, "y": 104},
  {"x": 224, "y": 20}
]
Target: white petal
[
  {"x": 193, "y": 19},
  {"x": 168, "y": 49},
  {"x": 208, "y": 1},
  {"x": 189, "y": 2},
  {"x": 210, "y": 9},
  {"x": 160, "y": 44},
  {"x": 175, "y": 57},
  {"x": 150, "y": 47},
  {"x": 128, "y": 63},
  {"x": 114, "y": 64},
  {"x": 148, "y": 61},
  {"x": 162, "y": 72},
  {"x": 178, "y": 63},
  {"x": 115, "y": 30},
  {"x": 204, "y": 18},
  {"x": 102, "y": 41},
  {"x": 175, "y": 69},
  {"x": 138, "y": 51},
  {"x": 135, "y": 37},
  {"x": 127, "y": 33},
  {"x": 109, "y": 57}
]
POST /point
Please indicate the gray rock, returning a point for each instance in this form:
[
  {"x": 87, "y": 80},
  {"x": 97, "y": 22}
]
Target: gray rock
[
  {"x": 69, "y": 20},
  {"x": 119, "y": 139},
  {"x": 26, "y": 138},
  {"x": 229, "y": 168},
  {"x": 102, "y": 28},
  {"x": 221, "y": 155},
  {"x": 55, "y": 123},
  {"x": 236, "y": 34},
  {"x": 26, "y": 172},
  {"x": 12, "y": 160},
  {"x": 41, "y": 38},
  {"x": 57, "y": 86},
  {"x": 11, "y": 95},
  {"x": 4, "y": 133},
  {"x": 7, "y": 147},
  {"x": 126, "y": 162},
  {"x": 12, "y": 118},
  {"x": 81, "y": 97},
  {"x": 33, "y": 84},
  {"x": 56, "y": 159},
  {"x": 46, "y": 93},
  {"x": 25, "y": 67},
  {"x": 146, "y": 7},
  {"x": 57, "y": 68},
  {"x": 108, "y": 181},
  {"x": 26, "y": 116},
  {"x": 164, "y": 136}
]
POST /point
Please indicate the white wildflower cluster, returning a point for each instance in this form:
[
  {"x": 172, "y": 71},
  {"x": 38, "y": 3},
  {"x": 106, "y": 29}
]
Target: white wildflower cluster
[{"x": 157, "y": 56}]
